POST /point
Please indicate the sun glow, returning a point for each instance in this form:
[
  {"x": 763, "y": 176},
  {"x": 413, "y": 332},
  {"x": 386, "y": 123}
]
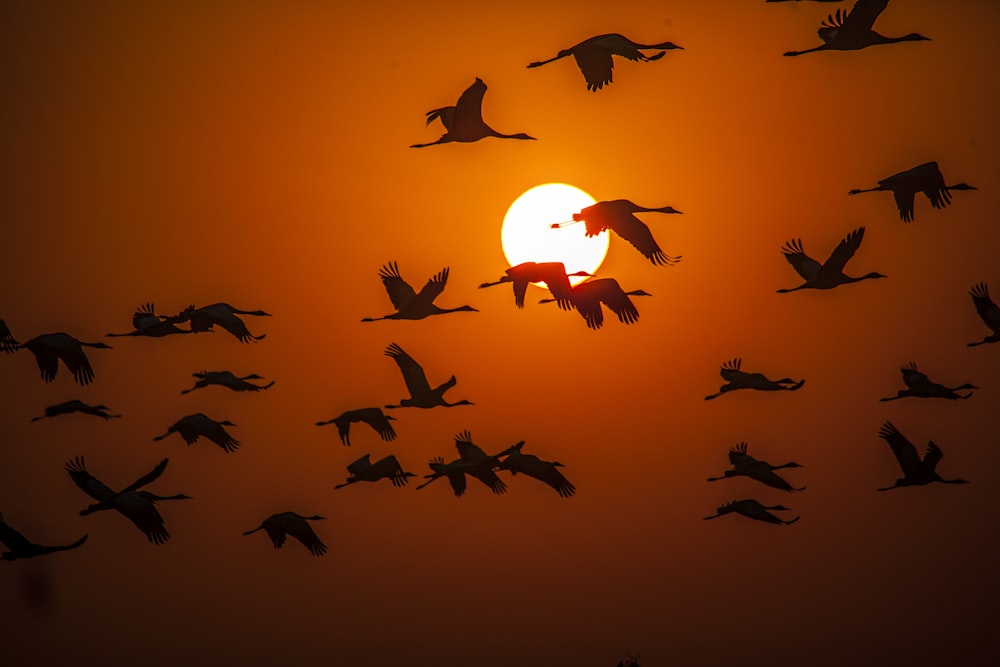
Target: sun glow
[{"x": 527, "y": 234}]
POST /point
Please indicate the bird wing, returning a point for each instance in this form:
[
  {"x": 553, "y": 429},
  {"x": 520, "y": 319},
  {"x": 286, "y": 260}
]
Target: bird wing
[
  {"x": 48, "y": 363},
  {"x": 14, "y": 540},
  {"x": 487, "y": 477},
  {"x": 303, "y": 532},
  {"x": 614, "y": 297},
  {"x": 457, "y": 480},
  {"x": 78, "y": 364},
  {"x": 468, "y": 451},
  {"x": 468, "y": 115},
  {"x": 804, "y": 265},
  {"x": 276, "y": 533},
  {"x": 399, "y": 291},
  {"x": 7, "y": 341},
  {"x": 413, "y": 373},
  {"x": 446, "y": 114},
  {"x": 932, "y": 185},
  {"x": 985, "y": 306},
  {"x": 144, "y": 515},
  {"x": 636, "y": 232},
  {"x": 903, "y": 449},
  {"x": 431, "y": 289},
  {"x": 596, "y": 65},
  {"x": 588, "y": 304},
  {"x": 931, "y": 457},
  {"x": 862, "y": 16},
  {"x": 913, "y": 378},
  {"x": 144, "y": 317},
  {"x": 359, "y": 466},
  {"x": 904, "y": 202},
  {"x": 544, "y": 471},
  {"x": 377, "y": 419},
  {"x": 843, "y": 252},
  {"x": 218, "y": 434},
  {"x": 92, "y": 486},
  {"x": 553, "y": 274},
  {"x": 234, "y": 325},
  {"x": 147, "y": 478}
]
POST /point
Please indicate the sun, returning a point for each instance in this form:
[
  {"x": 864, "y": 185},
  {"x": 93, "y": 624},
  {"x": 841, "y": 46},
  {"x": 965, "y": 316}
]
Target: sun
[{"x": 527, "y": 234}]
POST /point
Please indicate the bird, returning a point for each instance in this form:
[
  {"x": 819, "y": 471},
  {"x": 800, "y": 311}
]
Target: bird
[
  {"x": 752, "y": 509},
  {"x": 20, "y": 547},
  {"x": 137, "y": 506},
  {"x": 472, "y": 461},
  {"x": 587, "y": 298},
  {"x": 762, "y": 471},
  {"x": 988, "y": 312},
  {"x": 387, "y": 467},
  {"x": 593, "y": 56},
  {"x": 278, "y": 526},
  {"x": 50, "y": 348},
  {"x": 411, "y": 305},
  {"x": 545, "y": 471},
  {"x": 197, "y": 425},
  {"x": 553, "y": 274},
  {"x": 7, "y": 341},
  {"x": 852, "y": 30},
  {"x": 919, "y": 385},
  {"x": 830, "y": 273},
  {"x": 464, "y": 121},
  {"x": 421, "y": 394},
  {"x": 374, "y": 417},
  {"x": 618, "y": 216},
  {"x": 145, "y": 322},
  {"x": 67, "y": 407},
  {"x": 226, "y": 316},
  {"x": 916, "y": 471},
  {"x": 737, "y": 379},
  {"x": 227, "y": 379},
  {"x": 924, "y": 178}
]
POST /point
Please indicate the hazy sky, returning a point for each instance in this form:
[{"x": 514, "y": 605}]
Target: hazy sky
[{"x": 257, "y": 153}]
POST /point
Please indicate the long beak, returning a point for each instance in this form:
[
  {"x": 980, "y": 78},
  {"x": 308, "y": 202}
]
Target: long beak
[{"x": 557, "y": 225}]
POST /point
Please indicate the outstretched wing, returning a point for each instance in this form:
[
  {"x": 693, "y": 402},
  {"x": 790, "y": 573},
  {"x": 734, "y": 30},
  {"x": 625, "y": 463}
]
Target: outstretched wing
[
  {"x": 904, "y": 203},
  {"x": 431, "y": 289},
  {"x": 147, "y": 478},
  {"x": 862, "y": 17},
  {"x": 468, "y": 115},
  {"x": 468, "y": 451},
  {"x": 913, "y": 378},
  {"x": 359, "y": 466},
  {"x": 636, "y": 232},
  {"x": 14, "y": 540},
  {"x": 903, "y": 449},
  {"x": 7, "y": 341},
  {"x": 399, "y": 291},
  {"x": 378, "y": 420},
  {"x": 985, "y": 306},
  {"x": 843, "y": 252},
  {"x": 804, "y": 265},
  {"x": 90, "y": 485},
  {"x": 931, "y": 457},
  {"x": 413, "y": 373},
  {"x": 596, "y": 65}
]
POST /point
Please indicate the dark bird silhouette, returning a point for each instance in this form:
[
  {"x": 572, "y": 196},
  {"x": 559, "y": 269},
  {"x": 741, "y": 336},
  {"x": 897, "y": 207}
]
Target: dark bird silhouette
[
  {"x": 919, "y": 385},
  {"x": 137, "y": 506},
  {"x": 630, "y": 660},
  {"x": 411, "y": 305},
  {"x": 363, "y": 470},
  {"x": 737, "y": 379},
  {"x": 50, "y": 348},
  {"x": 988, "y": 312},
  {"x": 222, "y": 314},
  {"x": 800, "y": 0},
  {"x": 278, "y": 526},
  {"x": 7, "y": 341},
  {"x": 197, "y": 425},
  {"x": 528, "y": 464},
  {"x": 20, "y": 547},
  {"x": 849, "y": 31},
  {"x": 925, "y": 178},
  {"x": 916, "y": 471},
  {"x": 374, "y": 417},
  {"x": 421, "y": 394},
  {"x": 618, "y": 216},
  {"x": 587, "y": 299},
  {"x": 830, "y": 273},
  {"x": 553, "y": 274},
  {"x": 593, "y": 56},
  {"x": 762, "y": 471},
  {"x": 145, "y": 322},
  {"x": 68, "y": 407},
  {"x": 464, "y": 121},
  {"x": 228, "y": 380},
  {"x": 472, "y": 461},
  {"x": 752, "y": 509}
]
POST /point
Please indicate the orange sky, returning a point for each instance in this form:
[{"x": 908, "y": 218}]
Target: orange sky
[{"x": 257, "y": 153}]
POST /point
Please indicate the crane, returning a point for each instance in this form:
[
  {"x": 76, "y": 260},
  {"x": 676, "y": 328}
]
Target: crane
[
  {"x": 278, "y": 526},
  {"x": 374, "y": 417},
  {"x": 197, "y": 425},
  {"x": 553, "y": 274},
  {"x": 464, "y": 121},
  {"x": 921, "y": 386},
  {"x": 516, "y": 462},
  {"x": 421, "y": 394},
  {"x": 830, "y": 273},
  {"x": 18, "y": 546},
  {"x": 916, "y": 471},
  {"x": 387, "y": 467},
  {"x": 587, "y": 299},
  {"x": 988, "y": 312},
  {"x": 594, "y": 56},
  {"x": 752, "y": 509},
  {"x": 925, "y": 178},
  {"x": 762, "y": 471},
  {"x": 738, "y": 379},
  {"x": 472, "y": 461},
  {"x": 145, "y": 322},
  {"x": 618, "y": 216},
  {"x": 50, "y": 348},
  {"x": 222, "y": 314},
  {"x": 227, "y": 379},
  {"x": 852, "y": 30},
  {"x": 67, "y": 407},
  {"x": 412, "y": 305}
]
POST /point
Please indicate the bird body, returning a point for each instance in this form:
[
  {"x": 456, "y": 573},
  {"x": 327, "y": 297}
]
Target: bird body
[
  {"x": 587, "y": 299},
  {"x": 222, "y": 314},
  {"x": 553, "y": 274},
  {"x": 738, "y": 379},
  {"x": 464, "y": 121},
  {"x": 18, "y": 546},
  {"x": 752, "y": 509},
  {"x": 68, "y": 407},
  {"x": 421, "y": 394},
  {"x": 594, "y": 56},
  {"x": 228, "y": 380},
  {"x": 618, "y": 215},
  {"x": 197, "y": 425},
  {"x": 374, "y": 417},
  {"x": 916, "y": 471},
  {"x": 279, "y": 526},
  {"x": 472, "y": 461},
  {"x": 363, "y": 470},
  {"x": 921, "y": 386},
  {"x": 988, "y": 312},
  {"x": 516, "y": 462},
  {"x": 411, "y": 305},
  {"x": 830, "y": 273},
  {"x": 145, "y": 322},
  {"x": 762, "y": 471},
  {"x": 50, "y": 348},
  {"x": 852, "y": 30},
  {"x": 925, "y": 178}
]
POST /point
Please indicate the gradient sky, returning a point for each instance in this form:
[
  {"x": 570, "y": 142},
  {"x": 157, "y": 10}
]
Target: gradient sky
[{"x": 257, "y": 153}]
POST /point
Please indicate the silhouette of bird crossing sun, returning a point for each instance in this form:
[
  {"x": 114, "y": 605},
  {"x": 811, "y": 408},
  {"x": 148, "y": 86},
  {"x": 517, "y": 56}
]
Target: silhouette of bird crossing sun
[
  {"x": 830, "y": 273},
  {"x": 849, "y": 31},
  {"x": 617, "y": 215},
  {"x": 464, "y": 121},
  {"x": 925, "y": 178},
  {"x": 553, "y": 274},
  {"x": 411, "y": 305},
  {"x": 594, "y": 56},
  {"x": 587, "y": 299}
]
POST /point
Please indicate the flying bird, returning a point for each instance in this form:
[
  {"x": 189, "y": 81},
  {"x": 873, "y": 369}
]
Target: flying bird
[
  {"x": 988, "y": 312},
  {"x": 587, "y": 299},
  {"x": 278, "y": 526},
  {"x": 553, "y": 274},
  {"x": 145, "y": 322},
  {"x": 197, "y": 425},
  {"x": 737, "y": 379},
  {"x": 421, "y": 394},
  {"x": 618, "y": 216},
  {"x": 7, "y": 341},
  {"x": 228, "y": 380},
  {"x": 137, "y": 506},
  {"x": 374, "y": 417},
  {"x": 916, "y": 471},
  {"x": 20, "y": 547},
  {"x": 919, "y": 385},
  {"x": 830, "y": 273},
  {"x": 50, "y": 348},
  {"x": 68, "y": 407},
  {"x": 528, "y": 464},
  {"x": 387, "y": 467},
  {"x": 925, "y": 178},
  {"x": 762, "y": 471},
  {"x": 593, "y": 56},
  {"x": 464, "y": 121},
  {"x": 754, "y": 510},
  {"x": 849, "y": 31},
  {"x": 411, "y": 305},
  {"x": 222, "y": 314},
  {"x": 472, "y": 461}
]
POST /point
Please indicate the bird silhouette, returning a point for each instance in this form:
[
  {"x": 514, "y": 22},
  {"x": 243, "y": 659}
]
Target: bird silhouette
[
  {"x": 411, "y": 305},
  {"x": 528, "y": 464},
  {"x": 19, "y": 547},
  {"x": 925, "y": 178},
  {"x": 553, "y": 274},
  {"x": 618, "y": 216},
  {"x": 7, "y": 340},
  {"x": 849, "y": 31},
  {"x": 374, "y": 417},
  {"x": 278, "y": 526},
  {"x": 919, "y": 385},
  {"x": 762, "y": 471},
  {"x": 737, "y": 379},
  {"x": 830, "y": 273},
  {"x": 222, "y": 314},
  {"x": 137, "y": 506},
  {"x": 68, "y": 407},
  {"x": 988, "y": 312},
  {"x": 464, "y": 121},
  {"x": 916, "y": 471},
  {"x": 629, "y": 661},
  {"x": 752, "y": 509},
  {"x": 145, "y": 322},
  {"x": 472, "y": 461},
  {"x": 587, "y": 299},
  {"x": 50, "y": 348},
  {"x": 593, "y": 56},
  {"x": 197, "y": 425},
  {"x": 387, "y": 467},
  {"x": 421, "y": 394},
  {"x": 228, "y": 380}
]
